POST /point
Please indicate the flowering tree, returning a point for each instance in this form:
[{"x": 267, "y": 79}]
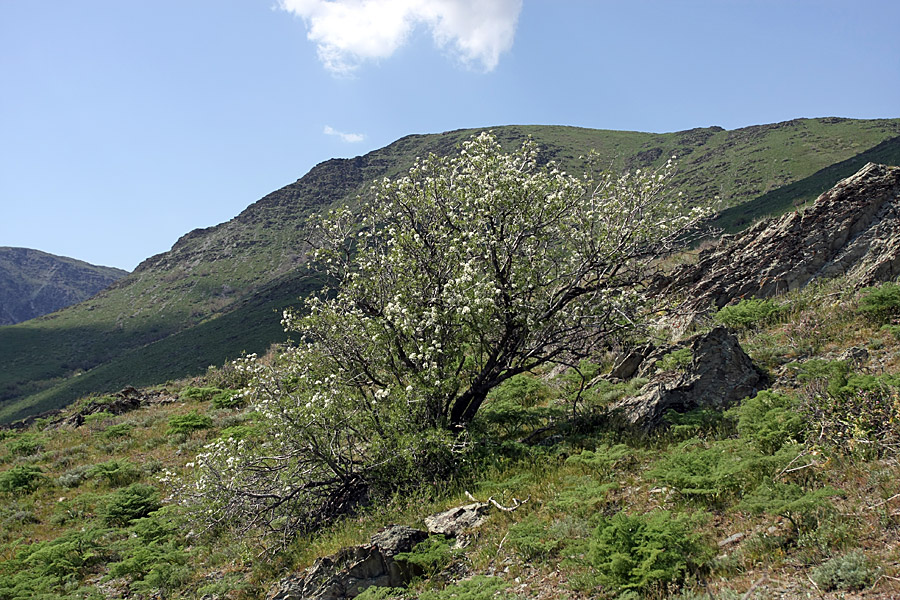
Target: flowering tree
[{"x": 469, "y": 270}]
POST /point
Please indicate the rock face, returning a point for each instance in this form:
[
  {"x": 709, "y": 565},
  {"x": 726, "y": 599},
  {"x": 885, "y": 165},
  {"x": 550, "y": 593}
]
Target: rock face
[
  {"x": 34, "y": 283},
  {"x": 852, "y": 229},
  {"x": 457, "y": 520},
  {"x": 349, "y": 572},
  {"x": 720, "y": 375}
]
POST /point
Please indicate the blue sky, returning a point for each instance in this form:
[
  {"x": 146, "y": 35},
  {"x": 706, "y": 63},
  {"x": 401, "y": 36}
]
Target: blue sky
[{"x": 124, "y": 125}]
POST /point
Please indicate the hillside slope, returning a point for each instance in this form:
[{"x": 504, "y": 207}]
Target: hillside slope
[
  {"x": 129, "y": 333},
  {"x": 34, "y": 283}
]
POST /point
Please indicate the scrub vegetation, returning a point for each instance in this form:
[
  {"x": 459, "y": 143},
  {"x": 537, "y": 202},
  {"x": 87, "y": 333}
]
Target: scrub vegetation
[{"x": 260, "y": 467}]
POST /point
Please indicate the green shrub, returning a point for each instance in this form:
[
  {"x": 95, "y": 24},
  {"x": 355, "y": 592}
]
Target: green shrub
[
  {"x": 118, "y": 430},
  {"x": 582, "y": 496},
  {"x": 201, "y": 394},
  {"x": 97, "y": 419},
  {"x": 242, "y": 432},
  {"x": 852, "y": 572},
  {"x": 881, "y": 303},
  {"x": 188, "y": 423},
  {"x": 805, "y": 509},
  {"x": 748, "y": 313},
  {"x": 602, "y": 460},
  {"x": 645, "y": 552},
  {"x": 22, "y": 479},
  {"x": 374, "y": 592},
  {"x": 228, "y": 399},
  {"x": 26, "y": 444},
  {"x": 136, "y": 501},
  {"x": 709, "y": 472},
  {"x": 153, "y": 568},
  {"x": 676, "y": 360},
  {"x": 700, "y": 422},
  {"x": 429, "y": 556},
  {"x": 116, "y": 473},
  {"x": 479, "y": 587},
  {"x": 770, "y": 420},
  {"x": 67, "y": 557},
  {"x": 894, "y": 330},
  {"x": 531, "y": 539}
]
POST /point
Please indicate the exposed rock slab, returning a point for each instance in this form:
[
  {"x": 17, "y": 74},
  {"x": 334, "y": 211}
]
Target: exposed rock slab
[
  {"x": 352, "y": 570},
  {"x": 458, "y": 520},
  {"x": 852, "y": 229},
  {"x": 720, "y": 375}
]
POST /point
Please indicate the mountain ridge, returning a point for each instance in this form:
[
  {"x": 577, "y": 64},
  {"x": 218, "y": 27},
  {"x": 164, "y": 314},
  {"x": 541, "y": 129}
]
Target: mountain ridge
[
  {"x": 219, "y": 271},
  {"x": 34, "y": 283}
]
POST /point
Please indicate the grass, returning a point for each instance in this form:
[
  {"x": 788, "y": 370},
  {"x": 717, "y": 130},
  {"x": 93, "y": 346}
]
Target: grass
[{"x": 602, "y": 505}]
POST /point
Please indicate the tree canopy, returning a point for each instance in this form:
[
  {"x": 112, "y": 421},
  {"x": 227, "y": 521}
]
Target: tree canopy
[{"x": 446, "y": 282}]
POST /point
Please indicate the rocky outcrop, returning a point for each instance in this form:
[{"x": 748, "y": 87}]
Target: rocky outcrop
[
  {"x": 126, "y": 400},
  {"x": 352, "y": 570},
  {"x": 719, "y": 376},
  {"x": 852, "y": 229}
]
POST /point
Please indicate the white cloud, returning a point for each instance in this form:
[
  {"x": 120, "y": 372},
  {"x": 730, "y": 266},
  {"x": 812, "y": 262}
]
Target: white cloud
[
  {"x": 346, "y": 137},
  {"x": 349, "y": 32}
]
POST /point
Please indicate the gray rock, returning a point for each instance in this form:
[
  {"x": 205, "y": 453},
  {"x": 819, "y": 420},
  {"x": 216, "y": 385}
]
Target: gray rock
[
  {"x": 458, "y": 520},
  {"x": 629, "y": 364},
  {"x": 852, "y": 229},
  {"x": 720, "y": 375},
  {"x": 352, "y": 570}
]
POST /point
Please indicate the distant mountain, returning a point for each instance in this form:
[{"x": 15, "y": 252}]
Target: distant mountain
[
  {"x": 34, "y": 283},
  {"x": 219, "y": 291}
]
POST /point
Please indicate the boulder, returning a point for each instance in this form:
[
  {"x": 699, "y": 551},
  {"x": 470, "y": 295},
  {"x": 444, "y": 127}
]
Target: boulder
[
  {"x": 458, "y": 520},
  {"x": 719, "y": 376}
]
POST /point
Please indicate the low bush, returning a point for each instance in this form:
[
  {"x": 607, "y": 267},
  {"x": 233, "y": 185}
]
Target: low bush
[
  {"x": 804, "y": 509},
  {"x": 480, "y": 587},
  {"x": 676, "y": 360},
  {"x": 154, "y": 568},
  {"x": 748, "y": 313},
  {"x": 852, "y": 572},
  {"x": 428, "y": 557},
  {"x": 136, "y": 501},
  {"x": 602, "y": 460},
  {"x": 119, "y": 430},
  {"x": 710, "y": 473},
  {"x": 769, "y": 420},
  {"x": 116, "y": 473},
  {"x": 26, "y": 444},
  {"x": 202, "y": 394},
  {"x": 228, "y": 399},
  {"x": 531, "y": 539},
  {"x": 880, "y": 303},
  {"x": 645, "y": 552},
  {"x": 22, "y": 479},
  {"x": 188, "y": 423}
]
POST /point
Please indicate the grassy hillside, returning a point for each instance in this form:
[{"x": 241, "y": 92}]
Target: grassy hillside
[
  {"x": 792, "y": 495},
  {"x": 212, "y": 295},
  {"x": 791, "y": 196}
]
